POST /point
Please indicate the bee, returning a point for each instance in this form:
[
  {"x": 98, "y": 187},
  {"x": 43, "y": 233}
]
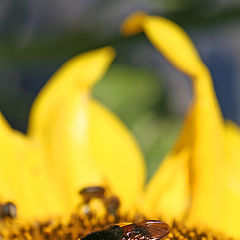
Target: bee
[
  {"x": 143, "y": 230},
  {"x": 92, "y": 192},
  {"x": 8, "y": 209},
  {"x": 111, "y": 202}
]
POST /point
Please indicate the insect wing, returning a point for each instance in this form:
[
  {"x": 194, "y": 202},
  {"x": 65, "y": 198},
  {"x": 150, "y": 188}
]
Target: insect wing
[
  {"x": 93, "y": 191},
  {"x": 146, "y": 230},
  {"x": 157, "y": 229}
]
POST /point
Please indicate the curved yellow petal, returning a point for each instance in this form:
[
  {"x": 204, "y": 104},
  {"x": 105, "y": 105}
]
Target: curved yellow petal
[
  {"x": 168, "y": 194},
  {"x": 133, "y": 24},
  {"x": 5, "y": 136},
  {"x": 208, "y": 154},
  {"x": 59, "y": 123},
  {"x": 171, "y": 180},
  {"x": 207, "y": 123},
  {"x": 231, "y": 197},
  {"x": 168, "y": 38},
  {"x": 117, "y": 155},
  {"x": 213, "y": 166},
  {"x": 22, "y": 176},
  {"x": 81, "y": 72},
  {"x": 217, "y": 189},
  {"x": 84, "y": 143},
  {"x": 232, "y": 134}
]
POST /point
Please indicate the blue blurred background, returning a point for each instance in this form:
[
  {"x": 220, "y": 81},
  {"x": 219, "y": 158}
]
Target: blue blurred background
[{"x": 148, "y": 94}]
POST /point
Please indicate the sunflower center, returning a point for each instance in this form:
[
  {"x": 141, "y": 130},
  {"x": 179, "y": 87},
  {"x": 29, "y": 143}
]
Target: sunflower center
[{"x": 85, "y": 220}]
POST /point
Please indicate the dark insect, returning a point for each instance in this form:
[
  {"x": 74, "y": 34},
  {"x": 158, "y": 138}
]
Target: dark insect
[
  {"x": 8, "y": 209},
  {"x": 143, "y": 230},
  {"x": 92, "y": 192},
  {"x": 111, "y": 202}
]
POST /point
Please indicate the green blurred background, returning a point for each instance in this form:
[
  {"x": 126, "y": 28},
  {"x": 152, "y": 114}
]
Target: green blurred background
[{"x": 150, "y": 96}]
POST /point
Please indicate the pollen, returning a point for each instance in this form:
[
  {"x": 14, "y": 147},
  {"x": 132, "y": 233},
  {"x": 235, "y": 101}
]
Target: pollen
[
  {"x": 79, "y": 226},
  {"x": 82, "y": 222}
]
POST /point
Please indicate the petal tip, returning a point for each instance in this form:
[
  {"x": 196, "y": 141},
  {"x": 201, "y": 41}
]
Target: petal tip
[
  {"x": 109, "y": 52},
  {"x": 133, "y": 23}
]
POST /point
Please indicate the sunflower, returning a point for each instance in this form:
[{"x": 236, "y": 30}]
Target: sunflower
[{"x": 74, "y": 142}]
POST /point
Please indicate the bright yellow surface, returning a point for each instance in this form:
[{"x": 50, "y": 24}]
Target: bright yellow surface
[
  {"x": 168, "y": 184},
  {"x": 84, "y": 143},
  {"x": 204, "y": 164},
  {"x": 23, "y": 177},
  {"x": 117, "y": 155},
  {"x": 59, "y": 123},
  {"x": 72, "y": 142}
]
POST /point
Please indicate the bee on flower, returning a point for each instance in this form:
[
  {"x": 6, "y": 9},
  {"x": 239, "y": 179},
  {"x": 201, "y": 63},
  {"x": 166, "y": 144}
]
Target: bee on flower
[{"x": 74, "y": 143}]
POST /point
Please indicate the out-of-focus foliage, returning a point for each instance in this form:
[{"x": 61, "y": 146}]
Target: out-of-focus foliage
[{"x": 130, "y": 91}]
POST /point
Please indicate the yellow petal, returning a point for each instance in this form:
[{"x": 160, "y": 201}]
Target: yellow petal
[
  {"x": 217, "y": 187},
  {"x": 171, "y": 181},
  {"x": 231, "y": 197},
  {"x": 232, "y": 134},
  {"x": 206, "y": 120},
  {"x": 84, "y": 143},
  {"x": 59, "y": 124},
  {"x": 23, "y": 179},
  {"x": 168, "y": 38},
  {"x": 133, "y": 24},
  {"x": 81, "y": 72},
  {"x": 117, "y": 155},
  {"x": 213, "y": 165}
]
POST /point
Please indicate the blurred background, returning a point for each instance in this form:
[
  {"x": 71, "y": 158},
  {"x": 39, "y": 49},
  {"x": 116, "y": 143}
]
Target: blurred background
[{"x": 149, "y": 95}]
